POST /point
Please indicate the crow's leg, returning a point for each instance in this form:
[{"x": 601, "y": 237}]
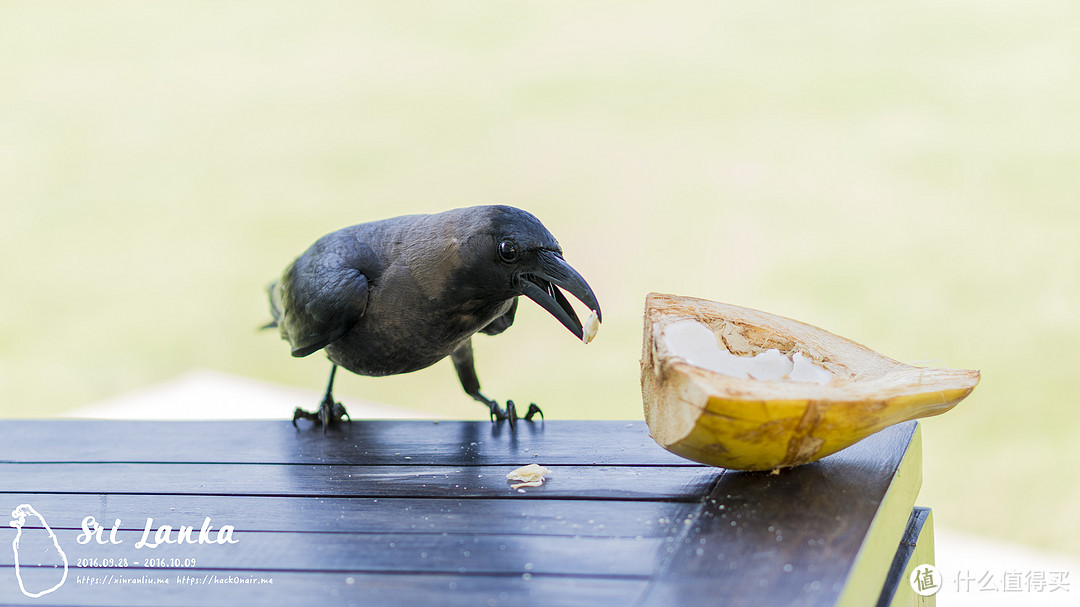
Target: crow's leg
[
  {"x": 466, "y": 370},
  {"x": 330, "y": 411}
]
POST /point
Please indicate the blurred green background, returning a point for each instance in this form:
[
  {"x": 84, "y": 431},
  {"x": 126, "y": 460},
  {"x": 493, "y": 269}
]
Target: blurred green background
[{"x": 905, "y": 176}]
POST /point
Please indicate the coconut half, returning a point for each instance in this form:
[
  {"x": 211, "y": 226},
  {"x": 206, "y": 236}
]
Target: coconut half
[{"x": 743, "y": 389}]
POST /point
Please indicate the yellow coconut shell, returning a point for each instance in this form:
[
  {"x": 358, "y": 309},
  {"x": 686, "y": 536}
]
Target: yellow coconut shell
[{"x": 751, "y": 424}]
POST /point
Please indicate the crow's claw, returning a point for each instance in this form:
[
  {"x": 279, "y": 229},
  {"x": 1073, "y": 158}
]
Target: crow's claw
[
  {"x": 533, "y": 410},
  {"x": 340, "y": 412},
  {"x": 511, "y": 413},
  {"x": 301, "y": 414},
  {"x": 497, "y": 412}
]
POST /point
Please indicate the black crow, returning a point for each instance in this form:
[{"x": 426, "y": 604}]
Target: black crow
[{"x": 401, "y": 294}]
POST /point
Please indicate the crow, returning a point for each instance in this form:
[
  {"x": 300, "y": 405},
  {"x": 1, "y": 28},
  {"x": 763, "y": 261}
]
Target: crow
[{"x": 400, "y": 294}]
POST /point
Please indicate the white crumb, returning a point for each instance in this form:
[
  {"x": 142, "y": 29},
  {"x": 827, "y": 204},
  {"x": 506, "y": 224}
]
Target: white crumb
[{"x": 531, "y": 476}]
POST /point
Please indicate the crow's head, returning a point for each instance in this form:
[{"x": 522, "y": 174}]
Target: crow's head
[{"x": 516, "y": 255}]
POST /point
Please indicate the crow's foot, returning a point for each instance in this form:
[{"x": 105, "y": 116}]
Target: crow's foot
[
  {"x": 510, "y": 413},
  {"x": 330, "y": 412}
]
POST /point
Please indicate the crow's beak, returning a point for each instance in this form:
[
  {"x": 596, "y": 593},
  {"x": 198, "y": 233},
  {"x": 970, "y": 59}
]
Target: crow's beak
[{"x": 542, "y": 283}]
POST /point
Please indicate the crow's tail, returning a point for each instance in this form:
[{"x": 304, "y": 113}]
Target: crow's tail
[{"x": 273, "y": 292}]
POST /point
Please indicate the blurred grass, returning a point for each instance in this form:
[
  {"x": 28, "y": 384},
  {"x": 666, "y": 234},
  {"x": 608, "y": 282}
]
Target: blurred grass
[{"x": 905, "y": 176}]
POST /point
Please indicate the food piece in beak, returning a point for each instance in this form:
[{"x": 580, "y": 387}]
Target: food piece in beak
[
  {"x": 592, "y": 325},
  {"x": 542, "y": 284}
]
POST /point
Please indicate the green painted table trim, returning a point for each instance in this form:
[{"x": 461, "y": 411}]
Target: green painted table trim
[
  {"x": 916, "y": 549},
  {"x": 871, "y": 566}
]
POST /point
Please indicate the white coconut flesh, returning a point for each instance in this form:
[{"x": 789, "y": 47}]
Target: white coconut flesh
[{"x": 698, "y": 345}]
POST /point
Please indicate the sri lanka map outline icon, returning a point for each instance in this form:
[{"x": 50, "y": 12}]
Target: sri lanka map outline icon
[{"x": 19, "y": 514}]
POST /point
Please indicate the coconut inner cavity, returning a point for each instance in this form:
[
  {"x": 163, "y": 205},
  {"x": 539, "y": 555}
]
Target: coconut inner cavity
[{"x": 699, "y": 346}]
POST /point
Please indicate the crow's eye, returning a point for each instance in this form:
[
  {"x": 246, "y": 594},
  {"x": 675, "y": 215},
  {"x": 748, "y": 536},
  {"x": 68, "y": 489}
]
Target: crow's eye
[{"x": 508, "y": 251}]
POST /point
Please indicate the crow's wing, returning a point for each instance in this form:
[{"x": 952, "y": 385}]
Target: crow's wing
[{"x": 324, "y": 292}]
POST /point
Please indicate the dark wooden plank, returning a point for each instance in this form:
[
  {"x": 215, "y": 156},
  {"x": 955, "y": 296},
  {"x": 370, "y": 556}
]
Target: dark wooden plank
[
  {"x": 791, "y": 537},
  {"x": 596, "y": 482},
  {"x": 897, "y": 577},
  {"x": 384, "y": 442},
  {"x": 590, "y": 518},
  {"x": 196, "y": 587}
]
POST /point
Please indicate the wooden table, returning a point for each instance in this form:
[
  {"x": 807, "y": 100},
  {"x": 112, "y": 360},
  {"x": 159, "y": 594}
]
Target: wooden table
[{"x": 421, "y": 513}]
